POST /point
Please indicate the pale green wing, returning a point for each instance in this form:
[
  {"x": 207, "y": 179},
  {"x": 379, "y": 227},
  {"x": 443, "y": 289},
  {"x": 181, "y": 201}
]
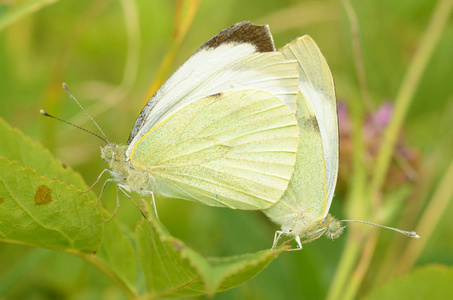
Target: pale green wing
[
  {"x": 235, "y": 149},
  {"x": 306, "y": 191},
  {"x": 316, "y": 83}
]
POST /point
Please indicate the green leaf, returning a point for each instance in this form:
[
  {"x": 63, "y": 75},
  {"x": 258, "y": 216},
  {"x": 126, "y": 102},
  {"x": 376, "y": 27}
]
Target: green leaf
[
  {"x": 173, "y": 269},
  {"x": 117, "y": 251},
  {"x": 430, "y": 282},
  {"x": 164, "y": 268},
  {"x": 22, "y": 149},
  {"x": 229, "y": 272},
  {"x": 37, "y": 211}
]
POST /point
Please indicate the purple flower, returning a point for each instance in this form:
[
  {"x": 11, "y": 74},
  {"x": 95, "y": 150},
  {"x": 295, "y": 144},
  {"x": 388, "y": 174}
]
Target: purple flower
[{"x": 373, "y": 129}]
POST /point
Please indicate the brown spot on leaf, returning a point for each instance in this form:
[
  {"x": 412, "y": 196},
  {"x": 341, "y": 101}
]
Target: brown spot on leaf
[
  {"x": 178, "y": 246},
  {"x": 2, "y": 200},
  {"x": 43, "y": 195}
]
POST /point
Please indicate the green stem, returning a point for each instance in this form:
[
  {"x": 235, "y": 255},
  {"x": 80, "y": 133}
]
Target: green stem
[
  {"x": 357, "y": 51},
  {"x": 180, "y": 31},
  {"x": 359, "y": 273},
  {"x": 347, "y": 262},
  {"x": 16, "y": 12},
  {"x": 404, "y": 98},
  {"x": 437, "y": 205},
  {"x": 355, "y": 207},
  {"x": 420, "y": 197},
  {"x": 406, "y": 92},
  {"x": 350, "y": 256}
]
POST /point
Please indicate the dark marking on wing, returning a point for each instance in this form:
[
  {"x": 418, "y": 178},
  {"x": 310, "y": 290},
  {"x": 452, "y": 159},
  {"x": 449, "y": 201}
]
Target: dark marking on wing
[
  {"x": 216, "y": 95},
  {"x": 309, "y": 121},
  {"x": 43, "y": 195},
  {"x": 2, "y": 200},
  {"x": 139, "y": 121},
  {"x": 244, "y": 32},
  {"x": 315, "y": 123}
]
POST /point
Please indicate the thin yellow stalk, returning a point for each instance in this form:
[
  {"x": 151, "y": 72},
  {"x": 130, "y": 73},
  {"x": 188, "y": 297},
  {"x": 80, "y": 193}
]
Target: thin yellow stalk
[
  {"x": 358, "y": 58},
  {"x": 404, "y": 98},
  {"x": 341, "y": 285},
  {"x": 407, "y": 90},
  {"x": 355, "y": 207},
  {"x": 180, "y": 30}
]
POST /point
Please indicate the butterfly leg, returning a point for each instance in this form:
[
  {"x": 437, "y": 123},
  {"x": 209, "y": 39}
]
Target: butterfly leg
[
  {"x": 299, "y": 244},
  {"x": 298, "y": 241},
  {"x": 153, "y": 202},
  {"x": 277, "y": 235},
  {"x": 99, "y": 178},
  {"x": 125, "y": 188},
  {"x": 117, "y": 205},
  {"x": 103, "y": 189}
]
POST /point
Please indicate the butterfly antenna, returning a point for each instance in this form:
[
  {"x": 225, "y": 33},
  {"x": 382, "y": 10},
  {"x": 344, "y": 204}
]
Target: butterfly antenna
[
  {"x": 73, "y": 98},
  {"x": 408, "y": 233},
  {"x": 44, "y": 113}
]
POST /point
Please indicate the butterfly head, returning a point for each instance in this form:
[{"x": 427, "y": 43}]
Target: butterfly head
[
  {"x": 115, "y": 156},
  {"x": 309, "y": 227},
  {"x": 334, "y": 227},
  {"x": 112, "y": 152},
  {"x": 107, "y": 153}
]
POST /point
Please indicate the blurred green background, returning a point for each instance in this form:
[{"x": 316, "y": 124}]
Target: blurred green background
[{"x": 113, "y": 54}]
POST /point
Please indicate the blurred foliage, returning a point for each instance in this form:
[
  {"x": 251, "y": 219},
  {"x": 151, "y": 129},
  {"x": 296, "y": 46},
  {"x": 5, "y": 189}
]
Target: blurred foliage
[
  {"x": 430, "y": 282},
  {"x": 113, "y": 54}
]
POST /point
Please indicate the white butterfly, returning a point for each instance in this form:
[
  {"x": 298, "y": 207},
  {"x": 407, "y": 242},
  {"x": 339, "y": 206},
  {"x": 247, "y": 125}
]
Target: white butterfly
[
  {"x": 303, "y": 211},
  {"x": 221, "y": 130}
]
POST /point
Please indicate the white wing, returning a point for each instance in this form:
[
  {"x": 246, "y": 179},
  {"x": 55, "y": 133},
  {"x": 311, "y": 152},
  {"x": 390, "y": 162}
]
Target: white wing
[
  {"x": 316, "y": 83},
  {"x": 235, "y": 149},
  {"x": 240, "y": 58}
]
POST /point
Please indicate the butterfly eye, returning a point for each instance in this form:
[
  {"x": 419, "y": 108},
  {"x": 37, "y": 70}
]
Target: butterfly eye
[{"x": 107, "y": 154}]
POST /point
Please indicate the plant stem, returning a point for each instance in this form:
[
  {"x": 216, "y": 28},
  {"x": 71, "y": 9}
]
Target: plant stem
[
  {"x": 18, "y": 11},
  {"x": 420, "y": 196},
  {"x": 355, "y": 207},
  {"x": 344, "y": 269},
  {"x": 404, "y": 98},
  {"x": 357, "y": 276},
  {"x": 407, "y": 89},
  {"x": 179, "y": 32},
  {"x": 436, "y": 207},
  {"x": 358, "y": 57}
]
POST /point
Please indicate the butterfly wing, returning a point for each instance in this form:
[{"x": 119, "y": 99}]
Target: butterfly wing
[
  {"x": 306, "y": 192},
  {"x": 238, "y": 57},
  {"x": 316, "y": 84},
  {"x": 235, "y": 149}
]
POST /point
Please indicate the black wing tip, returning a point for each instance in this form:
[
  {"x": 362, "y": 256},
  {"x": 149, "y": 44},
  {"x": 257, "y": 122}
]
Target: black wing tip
[{"x": 244, "y": 32}]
